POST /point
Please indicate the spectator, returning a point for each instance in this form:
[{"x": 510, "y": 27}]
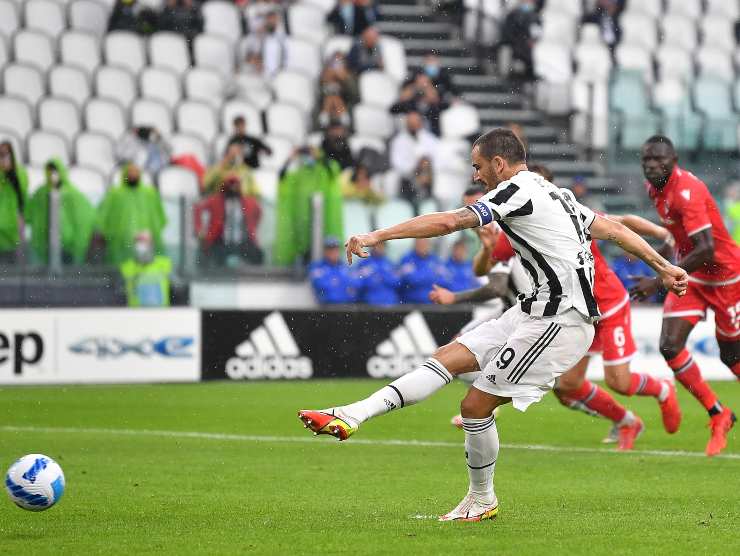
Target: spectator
[
  {"x": 251, "y": 146},
  {"x": 378, "y": 280},
  {"x": 146, "y": 148},
  {"x": 128, "y": 15},
  {"x": 146, "y": 275},
  {"x": 410, "y": 144},
  {"x": 181, "y": 16},
  {"x": 336, "y": 79},
  {"x": 732, "y": 209},
  {"x": 13, "y": 199},
  {"x": 336, "y": 146},
  {"x": 605, "y": 14},
  {"x": 352, "y": 17},
  {"x": 628, "y": 267},
  {"x": 419, "y": 95},
  {"x": 231, "y": 165},
  {"x": 520, "y": 30},
  {"x": 459, "y": 269},
  {"x": 266, "y": 49},
  {"x": 230, "y": 235},
  {"x": 440, "y": 77},
  {"x": 360, "y": 187},
  {"x": 331, "y": 279},
  {"x": 420, "y": 270},
  {"x": 128, "y": 209},
  {"x": 76, "y": 216},
  {"x": 333, "y": 109},
  {"x": 365, "y": 53},
  {"x": 310, "y": 174},
  {"x": 418, "y": 187}
]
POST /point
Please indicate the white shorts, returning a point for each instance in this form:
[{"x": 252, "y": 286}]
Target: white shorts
[{"x": 520, "y": 356}]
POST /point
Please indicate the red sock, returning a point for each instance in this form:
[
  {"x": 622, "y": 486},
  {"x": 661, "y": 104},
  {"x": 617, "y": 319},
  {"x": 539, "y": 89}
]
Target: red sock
[
  {"x": 644, "y": 385},
  {"x": 687, "y": 373},
  {"x": 736, "y": 369},
  {"x": 600, "y": 401}
]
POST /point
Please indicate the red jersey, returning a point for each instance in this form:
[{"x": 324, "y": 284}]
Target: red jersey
[
  {"x": 685, "y": 207},
  {"x": 609, "y": 291}
]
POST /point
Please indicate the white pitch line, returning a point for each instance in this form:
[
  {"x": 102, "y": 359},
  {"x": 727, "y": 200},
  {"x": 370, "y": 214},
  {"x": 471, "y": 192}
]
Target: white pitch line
[{"x": 360, "y": 441}]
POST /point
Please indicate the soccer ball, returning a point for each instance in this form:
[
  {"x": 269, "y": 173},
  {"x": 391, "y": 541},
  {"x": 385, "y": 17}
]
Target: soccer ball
[{"x": 35, "y": 482}]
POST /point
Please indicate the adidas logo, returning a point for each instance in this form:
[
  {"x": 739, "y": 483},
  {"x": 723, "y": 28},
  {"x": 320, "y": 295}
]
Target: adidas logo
[
  {"x": 269, "y": 352},
  {"x": 409, "y": 345}
]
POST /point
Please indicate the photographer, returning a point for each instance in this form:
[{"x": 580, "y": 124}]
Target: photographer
[{"x": 420, "y": 95}]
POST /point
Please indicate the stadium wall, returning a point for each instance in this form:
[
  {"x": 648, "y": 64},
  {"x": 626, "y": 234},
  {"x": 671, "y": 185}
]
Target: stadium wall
[{"x": 78, "y": 346}]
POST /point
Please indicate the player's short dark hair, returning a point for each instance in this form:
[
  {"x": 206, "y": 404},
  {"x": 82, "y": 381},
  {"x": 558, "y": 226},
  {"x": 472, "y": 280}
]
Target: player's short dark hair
[
  {"x": 501, "y": 142},
  {"x": 542, "y": 170},
  {"x": 474, "y": 190},
  {"x": 660, "y": 139}
]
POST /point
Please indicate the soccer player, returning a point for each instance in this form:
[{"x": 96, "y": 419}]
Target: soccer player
[
  {"x": 712, "y": 259},
  {"x": 523, "y": 352}
]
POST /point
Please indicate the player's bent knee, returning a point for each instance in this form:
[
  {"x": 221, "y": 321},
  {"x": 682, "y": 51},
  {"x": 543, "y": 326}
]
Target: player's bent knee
[
  {"x": 670, "y": 348},
  {"x": 616, "y": 382},
  {"x": 567, "y": 383},
  {"x": 479, "y": 405},
  {"x": 729, "y": 357},
  {"x": 456, "y": 358}
]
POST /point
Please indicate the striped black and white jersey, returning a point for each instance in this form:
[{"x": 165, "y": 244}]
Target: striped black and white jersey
[{"x": 549, "y": 231}]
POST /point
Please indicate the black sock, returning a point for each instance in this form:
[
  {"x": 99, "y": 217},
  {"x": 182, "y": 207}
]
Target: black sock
[{"x": 716, "y": 409}]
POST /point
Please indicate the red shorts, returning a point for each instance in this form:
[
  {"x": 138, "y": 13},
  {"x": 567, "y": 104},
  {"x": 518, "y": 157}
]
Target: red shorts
[
  {"x": 613, "y": 338},
  {"x": 692, "y": 307}
]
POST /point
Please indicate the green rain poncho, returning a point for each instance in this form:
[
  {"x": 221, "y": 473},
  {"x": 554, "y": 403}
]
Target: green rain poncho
[
  {"x": 126, "y": 211},
  {"x": 9, "y": 209},
  {"x": 293, "y": 211},
  {"x": 76, "y": 223}
]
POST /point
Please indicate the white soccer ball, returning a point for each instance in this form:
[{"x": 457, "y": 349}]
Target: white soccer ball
[{"x": 35, "y": 482}]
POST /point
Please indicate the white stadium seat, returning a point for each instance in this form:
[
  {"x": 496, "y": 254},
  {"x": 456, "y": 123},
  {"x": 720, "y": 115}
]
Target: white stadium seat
[
  {"x": 356, "y": 216},
  {"x": 19, "y": 148},
  {"x": 394, "y": 57},
  {"x": 718, "y": 31},
  {"x": 169, "y": 50},
  {"x": 223, "y": 19},
  {"x": 715, "y": 62},
  {"x": 4, "y": 54},
  {"x": 674, "y": 63},
  {"x": 373, "y": 121},
  {"x": 679, "y": 30},
  {"x": 287, "y": 121},
  {"x": 633, "y": 57},
  {"x": 45, "y": 145},
  {"x": 236, "y": 107},
  {"x": 116, "y": 83},
  {"x": 458, "y": 121},
  {"x": 16, "y": 116},
  {"x": 23, "y": 81},
  {"x": 638, "y": 29},
  {"x": 35, "y": 48},
  {"x": 80, "y": 49},
  {"x": 205, "y": 85},
  {"x": 89, "y": 182},
  {"x": 126, "y": 49},
  {"x": 60, "y": 116},
  {"x": 558, "y": 27},
  {"x": 281, "y": 150},
  {"x": 337, "y": 43},
  {"x": 36, "y": 178},
  {"x": 307, "y": 22},
  {"x": 554, "y": 66},
  {"x": 267, "y": 182},
  {"x": 689, "y": 8},
  {"x": 592, "y": 56},
  {"x": 152, "y": 113},
  {"x": 176, "y": 181},
  {"x": 303, "y": 56},
  {"x": 46, "y": 16},
  {"x": 390, "y": 213},
  {"x": 71, "y": 83},
  {"x": 106, "y": 117},
  {"x": 90, "y": 16},
  {"x": 184, "y": 144},
  {"x": 574, "y": 8},
  {"x": 214, "y": 52},
  {"x": 197, "y": 118},
  {"x": 161, "y": 84},
  {"x": 730, "y": 10},
  {"x": 10, "y": 20},
  {"x": 653, "y": 8},
  {"x": 218, "y": 147},
  {"x": 95, "y": 150},
  {"x": 378, "y": 88},
  {"x": 294, "y": 88}
]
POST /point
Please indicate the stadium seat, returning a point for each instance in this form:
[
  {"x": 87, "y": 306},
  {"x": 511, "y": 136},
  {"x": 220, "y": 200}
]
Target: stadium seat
[
  {"x": 336, "y": 43},
  {"x": 70, "y": 83},
  {"x": 250, "y": 85},
  {"x": 452, "y": 155},
  {"x": 459, "y": 121},
  {"x": 359, "y": 142},
  {"x": 717, "y": 31},
  {"x": 357, "y": 217},
  {"x": 125, "y": 49},
  {"x": 176, "y": 181},
  {"x": 36, "y": 178},
  {"x": 46, "y": 16},
  {"x": 116, "y": 83},
  {"x": 89, "y": 182},
  {"x": 574, "y": 8},
  {"x": 234, "y": 108},
  {"x": 23, "y": 81},
  {"x": 378, "y": 89},
  {"x": 152, "y": 113},
  {"x": 730, "y": 10},
  {"x": 307, "y": 22},
  {"x": 218, "y": 147},
  {"x": 294, "y": 88},
  {"x": 169, "y": 50},
  {"x": 205, "y": 85},
  {"x": 223, "y": 19},
  {"x": 267, "y": 182},
  {"x": 45, "y": 145},
  {"x": 592, "y": 57},
  {"x": 389, "y": 213},
  {"x": 554, "y": 66},
  {"x": 4, "y": 54},
  {"x": 712, "y": 98},
  {"x": 60, "y": 116},
  {"x": 679, "y": 121},
  {"x": 653, "y": 8},
  {"x": 558, "y": 27},
  {"x": 214, "y": 52},
  {"x": 635, "y": 58},
  {"x": 688, "y": 8},
  {"x": 185, "y": 144},
  {"x": 34, "y": 48},
  {"x": 161, "y": 84},
  {"x": 715, "y": 62},
  {"x": 303, "y": 56},
  {"x": 15, "y": 140},
  {"x": 106, "y": 117},
  {"x": 197, "y": 118},
  {"x": 589, "y": 126},
  {"x": 636, "y": 119},
  {"x": 10, "y": 20},
  {"x": 173, "y": 232},
  {"x": 287, "y": 121},
  {"x": 639, "y": 30},
  {"x": 95, "y": 150},
  {"x": 90, "y": 16},
  {"x": 679, "y": 30},
  {"x": 17, "y": 116},
  {"x": 449, "y": 186},
  {"x": 80, "y": 49},
  {"x": 373, "y": 121},
  {"x": 674, "y": 62},
  {"x": 394, "y": 57},
  {"x": 281, "y": 151}
]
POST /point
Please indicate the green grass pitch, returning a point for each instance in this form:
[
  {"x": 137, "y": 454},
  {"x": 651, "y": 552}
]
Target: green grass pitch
[{"x": 226, "y": 468}]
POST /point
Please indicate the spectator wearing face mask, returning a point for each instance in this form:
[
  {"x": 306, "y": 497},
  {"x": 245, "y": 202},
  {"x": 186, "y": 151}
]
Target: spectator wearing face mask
[
  {"x": 420, "y": 95},
  {"x": 146, "y": 275},
  {"x": 365, "y": 53},
  {"x": 336, "y": 146},
  {"x": 521, "y": 28},
  {"x": 76, "y": 216},
  {"x": 232, "y": 164},
  {"x": 338, "y": 80},
  {"x": 266, "y": 49},
  {"x": 440, "y": 77},
  {"x": 13, "y": 199},
  {"x": 411, "y": 144},
  {"x": 181, "y": 16},
  {"x": 251, "y": 146},
  {"x": 352, "y": 17},
  {"x": 145, "y": 147},
  {"x": 129, "y": 208}
]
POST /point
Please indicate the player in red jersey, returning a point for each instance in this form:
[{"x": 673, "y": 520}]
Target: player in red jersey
[{"x": 712, "y": 259}]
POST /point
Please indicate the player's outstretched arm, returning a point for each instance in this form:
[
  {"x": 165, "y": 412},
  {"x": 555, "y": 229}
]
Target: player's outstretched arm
[
  {"x": 642, "y": 226},
  {"x": 496, "y": 287},
  {"x": 434, "y": 224},
  {"x": 673, "y": 277}
]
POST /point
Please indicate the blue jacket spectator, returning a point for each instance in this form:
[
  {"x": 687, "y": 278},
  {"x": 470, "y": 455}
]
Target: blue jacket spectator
[
  {"x": 460, "y": 269},
  {"x": 625, "y": 266},
  {"x": 378, "y": 279},
  {"x": 332, "y": 281},
  {"x": 420, "y": 270}
]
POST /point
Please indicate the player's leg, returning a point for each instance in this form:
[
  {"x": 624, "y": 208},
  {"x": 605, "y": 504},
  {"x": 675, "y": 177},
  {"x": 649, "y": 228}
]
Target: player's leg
[{"x": 729, "y": 353}]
